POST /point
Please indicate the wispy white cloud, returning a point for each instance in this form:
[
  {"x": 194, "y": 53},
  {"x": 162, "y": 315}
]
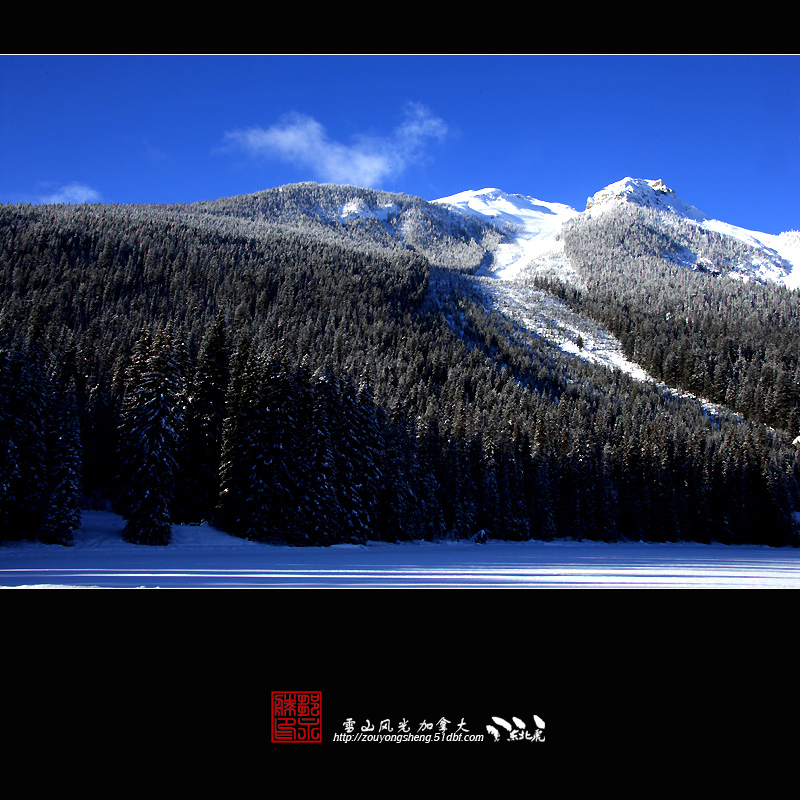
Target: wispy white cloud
[
  {"x": 70, "y": 193},
  {"x": 301, "y": 140}
]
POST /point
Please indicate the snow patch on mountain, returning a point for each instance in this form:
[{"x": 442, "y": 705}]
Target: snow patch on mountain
[
  {"x": 780, "y": 254},
  {"x": 532, "y": 231},
  {"x": 541, "y": 314},
  {"x": 357, "y": 207},
  {"x": 787, "y": 245}
]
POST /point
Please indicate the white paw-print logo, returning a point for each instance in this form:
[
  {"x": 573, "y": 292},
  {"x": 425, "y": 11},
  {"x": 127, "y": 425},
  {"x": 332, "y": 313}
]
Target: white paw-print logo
[{"x": 518, "y": 730}]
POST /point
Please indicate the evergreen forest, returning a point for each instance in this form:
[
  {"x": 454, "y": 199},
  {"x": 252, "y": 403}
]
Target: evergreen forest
[{"x": 295, "y": 375}]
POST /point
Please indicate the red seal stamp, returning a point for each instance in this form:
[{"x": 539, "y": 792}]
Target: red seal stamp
[{"x": 296, "y": 717}]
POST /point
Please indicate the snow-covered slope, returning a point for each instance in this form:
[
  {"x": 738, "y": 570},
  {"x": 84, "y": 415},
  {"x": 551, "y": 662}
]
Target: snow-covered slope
[
  {"x": 773, "y": 248},
  {"x": 533, "y": 246},
  {"x": 533, "y": 228}
]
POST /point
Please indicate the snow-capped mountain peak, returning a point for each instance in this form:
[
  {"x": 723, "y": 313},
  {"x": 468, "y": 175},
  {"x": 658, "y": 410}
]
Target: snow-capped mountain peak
[
  {"x": 646, "y": 193},
  {"x": 533, "y": 229}
]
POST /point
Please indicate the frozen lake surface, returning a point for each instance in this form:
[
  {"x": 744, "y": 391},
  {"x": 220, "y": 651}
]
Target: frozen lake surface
[{"x": 202, "y": 557}]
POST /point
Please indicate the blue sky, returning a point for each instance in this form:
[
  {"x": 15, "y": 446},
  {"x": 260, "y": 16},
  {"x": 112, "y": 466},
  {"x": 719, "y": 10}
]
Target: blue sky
[{"x": 722, "y": 131}]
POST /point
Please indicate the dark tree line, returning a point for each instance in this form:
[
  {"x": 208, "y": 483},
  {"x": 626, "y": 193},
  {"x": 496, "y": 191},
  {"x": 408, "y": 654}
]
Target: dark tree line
[{"x": 315, "y": 382}]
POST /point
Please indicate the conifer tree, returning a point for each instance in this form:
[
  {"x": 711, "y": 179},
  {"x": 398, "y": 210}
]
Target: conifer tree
[
  {"x": 425, "y": 471},
  {"x": 371, "y": 422},
  {"x": 319, "y": 514},
  {"x": 205, "y": 415},
  {"x": 396, "y": 501},
  {"x": 459, "y": 489},
  {"x": 242, "y": 509},
  {"x": 24, "y": 386},
  {"x": 352, "y": 469},
  {"x": 99, "y": 428},
  {"x": 9, "y": 456},
  {"x": 228, "y": 511},
  {"x": 62, "y": 514},
  {"x": 257, "y": 497},
  {"x": 151, "y": 432},
  {"x": 281, "y": 447}
]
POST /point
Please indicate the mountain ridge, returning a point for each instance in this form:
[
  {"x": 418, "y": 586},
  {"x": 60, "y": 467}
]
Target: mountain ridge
[{"x": 533, "y": 227}]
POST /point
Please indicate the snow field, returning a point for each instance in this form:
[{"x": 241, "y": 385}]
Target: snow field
[{"x": 202, "y": 557}]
